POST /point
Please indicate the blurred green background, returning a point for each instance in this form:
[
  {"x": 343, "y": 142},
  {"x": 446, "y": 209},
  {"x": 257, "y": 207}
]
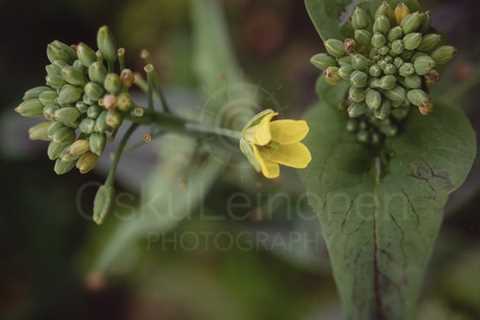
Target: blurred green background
[{"x": 263, "y": 257}]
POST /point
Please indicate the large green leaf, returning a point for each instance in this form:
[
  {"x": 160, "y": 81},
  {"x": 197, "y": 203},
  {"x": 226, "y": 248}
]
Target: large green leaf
[
  {"x": 330, "y": 16},
  {"x": 380, "y": 225}
]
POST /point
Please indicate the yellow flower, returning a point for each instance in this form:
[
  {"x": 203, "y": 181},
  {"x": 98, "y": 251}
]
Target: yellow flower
[{"x": 268, "y": 144}]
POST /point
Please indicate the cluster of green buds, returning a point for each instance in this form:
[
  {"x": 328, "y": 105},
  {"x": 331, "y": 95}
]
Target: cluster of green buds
[
  {"x": 390, "y": 63},
  {"x": 83, "y": 103}
]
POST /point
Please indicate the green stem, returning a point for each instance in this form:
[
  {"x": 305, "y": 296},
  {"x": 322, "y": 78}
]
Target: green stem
[{"x": 118, "y": 154}]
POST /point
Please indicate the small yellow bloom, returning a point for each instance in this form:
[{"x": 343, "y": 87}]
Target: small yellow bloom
[
  {"x": 268, "y": 144},
  {"x": 401, "y": 11}
]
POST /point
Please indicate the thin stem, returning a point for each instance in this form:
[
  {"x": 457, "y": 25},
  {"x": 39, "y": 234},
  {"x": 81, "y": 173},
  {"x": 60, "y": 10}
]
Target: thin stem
[
  {"x": 121, "y": 58},
  {"x": 118, "y": 154},
  {"x": 162, "y": 97}
]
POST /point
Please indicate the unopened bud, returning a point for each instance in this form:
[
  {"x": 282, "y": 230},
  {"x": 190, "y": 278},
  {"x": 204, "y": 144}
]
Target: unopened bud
[
  {"x": 58, "y": 50},
  {"x": 407, "y": 69},
  {"x": 363, "y": 37},
  {"x": 34, "y": 93},
  {"x": 382, "y": 24},
  {"x": 113, "y": 84},
  {"x": 94, "y": 91},
  {"x": 30, "y": 108},
  {"x": 444, "y": 54},
  {"x": 73, "y": 76},
  {"x": 331, "y": 75},
  {"x": 388, "y": 82},
  {"x": 109, "y": 102},
  {"x": 87, "y": 162},
  {"x": 68, "y": 116},
  {"x": 418, "y": 97},
  {"x": 345, "y": 72},
  {"x": 124, "y": 102},
  {"x": 373, "y": 99},
  {"x": 39, "y": 132},
  {"x": 424, "y": 65},
  {"x": 86, "y": 54},
  {"x": 106, "y": 44},
  {"x": 375, "y": 71},
  {"x": 69, "y": 95},
  {"x": 357, "y": 110},
  {"x": 360, "y": 18},
  {"x": 384, "y": 10},
  {"x": 48, "y": 97},
  {"x": 413, "y": 82},
  {"x": 97, "y": 142},
  {"x": 430, "y": 42},
  {"x": 87, "y": 126},
  {"x": 63, "y": 134},
  {"x": 396, "y": 95},
  {"x": 412, "y": 22},
  {"x": 97, "y": 72},
  {"x": 113, "y": 119},
  {"x": 82, "y": 107},
  {"x": 49, "y": 111},
  {"x": 56, "y": 149},
  {"x": 356, "y": 95},
  {"x": 93, "y": 112},
  {"x": 395, "y": 34},
  {"x": 101, "y": 122},
  {"x": 359, "y": 79},
  {"x": 401, "y": 11},
  {"x": 360, "y": 62},
  {"x": 127, "y": 77},
  {"x": 63, "y": 167},
  {"x": 335, "y": 48},
  {"x": 383, "y": 112},
  {"x": 397, "y": 47},
  {"x": 412, "y": 41},
  {"x": 390, "y": 69},
  {"x": 378, "y": 40},
  {"x": 103, "y": 203},
  {"x": 79, "y": 147}
]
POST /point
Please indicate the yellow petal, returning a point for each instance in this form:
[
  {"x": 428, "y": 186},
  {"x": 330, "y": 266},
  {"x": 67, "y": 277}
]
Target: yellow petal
[
  {"x": 270, "y": 169},
  {"x": 294, "y": 155},
  {"x": 260, "y": 134},
  {"x": 288, "y": 131}
]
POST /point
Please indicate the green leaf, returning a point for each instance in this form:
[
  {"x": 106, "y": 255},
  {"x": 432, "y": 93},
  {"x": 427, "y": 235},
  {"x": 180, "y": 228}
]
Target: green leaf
[
  {"x": 330, "y": 17},
  {"x": 380, "y": 226}
]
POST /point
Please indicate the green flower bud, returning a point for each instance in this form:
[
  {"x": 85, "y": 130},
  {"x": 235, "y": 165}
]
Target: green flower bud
[
  {"x": 388, "y": 82},
  {"x": 55, "y": 83},
  {"x": 345, "y": 72},
  {"x": 407, "y": 69},
  {"x": 60, "y": 51},
  {"x": 345, "y": 61},
  {"x": 335, "y": 48},
  {"x": 412, "y": 22},
  {"x": 97, "y": 142},
  {"x": 101, "y": 123},
  {"x": 427, "y": 22},
  {"x": 356, "y": 110},
  {"x": 89, "y": 102},
  {"x": 360, "y": 62},
  {"x": 106, "y": 44},
  {"x": 87, "y": 162},
  {"x": 396, "y": 95},
  {"x": 397, "y": 47},
  {"x": 39, "y": 131},
  {"x": 73, "y": 76},
  {"x": 86, "y": 54},
  {"x": 114, "y": 119},
  {"x": 30, "y": 108},
  {"x": 407, "y": 55},
  {"x": 97, "y": 72},
  {"x": 94, "y": 111},
  {"x": 69, "y": 95},
  {"x": 413, "y": 82},
  {"x": 54, "y": 72},
  {"x": 383, "y": 112},
  {"x": 48, "y": 97},
  {"x": 378, "y": 40},
  {"x": 390, "y": 69},
  {"x": 384, "y": 10},
  {"x": 78, "y": 65},
  {"x": 382, "y": 25},
  {"x": 359, "y": 79},
  {"x": 352, "y": 125},
  {"x": 62, "y": 134},
  {"x": 34, "y": 93},
  {"x": 94, "y": 91},
  {"x": 384, "y": 51},
  {"x": 68, "y": 116},
  {"x": 82, "y": 107},
  {"x": 113, "y": 84},
  {"x": 412, "y": 41},
  {"x": 395, "y": 34},
  {"x": 418, "y": 97},
  {"x": 103, "y": 203},
  {"x": 331, "y": 75},
  {"x": 322, "y": 61},
  {"x": 356, "y": 95},
  {"x": 63, "y": 167},
  {"x": 49, "y": 111},
  {"x": 398, "y": 62},
  {"x": 54, "y": 127},
  {"x": 56, "y": 149},
  {"x": 363, "y": 137},
  {"x": 79, "y": 147},
  {"x": 87, "y": 126},
  {"x": 373, "y": 99},
  {"x": 430, "y": 42},
  {"x": 363, "y": 37},
  {"x": 401, "y": 11},
  {"x": 444, "y": 54},
  {"x": 375, "y": 71},
  {"x": 125, "y": 104},
  {"x": 423, "y": 65},
  {"x": 360, "y": 18}
]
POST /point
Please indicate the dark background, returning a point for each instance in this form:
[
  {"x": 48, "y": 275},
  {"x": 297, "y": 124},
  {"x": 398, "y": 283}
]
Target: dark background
[{"x": 43, "y": 238}]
